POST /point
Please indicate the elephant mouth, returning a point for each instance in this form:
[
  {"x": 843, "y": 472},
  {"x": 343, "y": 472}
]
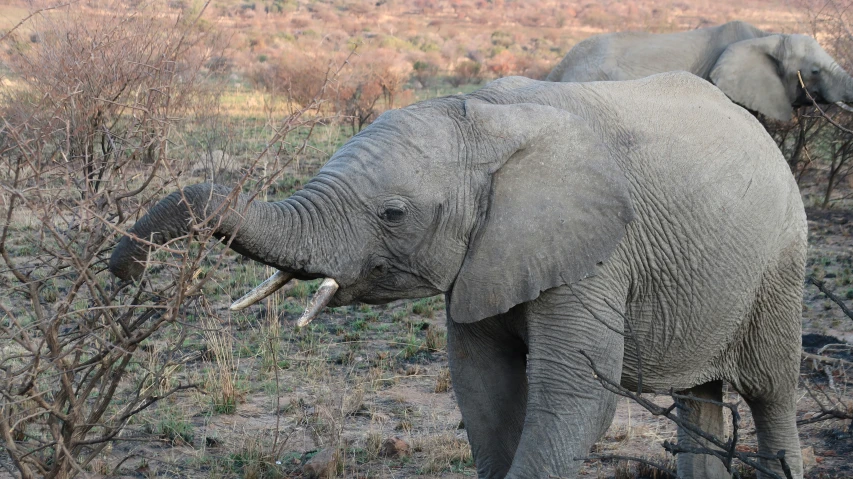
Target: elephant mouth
[
  {"x": 804, "y": 100},
  {"x": 375, "y": 289}
]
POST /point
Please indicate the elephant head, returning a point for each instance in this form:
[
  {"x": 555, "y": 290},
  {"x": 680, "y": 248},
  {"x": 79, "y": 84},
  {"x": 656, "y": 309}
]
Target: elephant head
[
  {"x": 762, "y": 75},
  {"x": 453, "y": 195}
]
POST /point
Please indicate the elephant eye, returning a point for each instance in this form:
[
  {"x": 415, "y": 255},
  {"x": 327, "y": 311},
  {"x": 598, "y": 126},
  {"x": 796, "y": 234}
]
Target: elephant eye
[
  {"x": 393, "y": 211},
  {"x": 815, "y": 70},
  {"x": 393, "y": 215}
]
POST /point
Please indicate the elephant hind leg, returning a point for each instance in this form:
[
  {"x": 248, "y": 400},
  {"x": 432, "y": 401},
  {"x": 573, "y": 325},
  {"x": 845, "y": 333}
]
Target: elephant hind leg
[
  {"x": 776, "y": 428},
  {"x": 768, "y": 363},
  {"x": 709, "y": 418},
  {"x": 773, "y": 402}
]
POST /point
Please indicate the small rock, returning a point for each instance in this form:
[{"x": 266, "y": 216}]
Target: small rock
[
  {"x": 394, "y": 447},
  {"x": 808, "y": 458},
  {"x": 322, "y": 465}
]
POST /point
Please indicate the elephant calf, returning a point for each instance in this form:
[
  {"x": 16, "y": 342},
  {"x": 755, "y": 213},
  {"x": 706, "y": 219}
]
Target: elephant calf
[
  {"x": 754, "y": 68},
  {"x": 556, "y": 218}
]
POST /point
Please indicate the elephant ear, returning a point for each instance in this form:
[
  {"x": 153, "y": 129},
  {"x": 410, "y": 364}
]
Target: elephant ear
[
  {"x": 748, "y": 72},
  {"x": 558, "y": 206}
]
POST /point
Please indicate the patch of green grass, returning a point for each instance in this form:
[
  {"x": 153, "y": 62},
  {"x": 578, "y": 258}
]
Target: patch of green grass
[
  {"x": 399, "y": 314},
  {"x": 412, "y": 345},
  {"x": 222, "y": 405},
  {"x": 426, "y": 307},
  {"x": 250, "y": 345},
  {"x": 176, "y": 429},
  {"x": 256, "y": 462},
  {"x": 304, "y": 289},
  {"x": 381, "y": 328},
  {"x": 360, "y": 324}
]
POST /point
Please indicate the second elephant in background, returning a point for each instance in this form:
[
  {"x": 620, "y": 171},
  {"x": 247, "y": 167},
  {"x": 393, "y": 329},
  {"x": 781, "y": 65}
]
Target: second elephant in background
[{"x": 756, "y": 69}]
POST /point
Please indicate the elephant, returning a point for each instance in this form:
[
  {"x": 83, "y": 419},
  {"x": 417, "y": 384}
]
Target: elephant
[
  {"x": 756, "y": 69},
  {"x": 569, "y": 226}
]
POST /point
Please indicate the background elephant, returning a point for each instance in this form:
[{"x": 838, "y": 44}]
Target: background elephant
[
  {"x": 550, "y": 214},
  {"x": 755, "y": 69}
]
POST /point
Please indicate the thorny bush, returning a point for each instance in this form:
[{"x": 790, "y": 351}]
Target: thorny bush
[{"x": 90, "y": 120}]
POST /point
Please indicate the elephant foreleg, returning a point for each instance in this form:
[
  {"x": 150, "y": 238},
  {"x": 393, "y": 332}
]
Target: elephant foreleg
[
  {"x": 487, "y": 367},
  {"x": 567, "y": 408}
]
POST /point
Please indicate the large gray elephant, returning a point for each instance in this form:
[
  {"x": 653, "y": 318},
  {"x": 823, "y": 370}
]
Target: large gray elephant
[
  {"x": 754, "y": 68},
  {"x": 556, "y": 218}
]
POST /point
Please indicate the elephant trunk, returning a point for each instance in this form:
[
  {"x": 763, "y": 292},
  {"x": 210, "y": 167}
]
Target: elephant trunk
[{"x": 261, "y": 231}]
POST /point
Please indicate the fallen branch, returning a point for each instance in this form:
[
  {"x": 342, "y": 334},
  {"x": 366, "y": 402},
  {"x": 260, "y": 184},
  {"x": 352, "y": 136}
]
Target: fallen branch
[
  {"x": 835, "y": 299},
  {"x": 817, "y": 359}
]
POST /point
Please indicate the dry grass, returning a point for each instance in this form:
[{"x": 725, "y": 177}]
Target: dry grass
[
  {"x": 444, "y": 452},
  {"x": 442, "y": 381},
  {"x": 221, "y": 381}
]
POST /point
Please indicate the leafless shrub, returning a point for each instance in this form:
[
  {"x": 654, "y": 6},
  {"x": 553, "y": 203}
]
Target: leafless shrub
[
  {"x": 86, "y": 143},
  {"x": 365, "y": 88},
  {"x": 466, "y": 71}
]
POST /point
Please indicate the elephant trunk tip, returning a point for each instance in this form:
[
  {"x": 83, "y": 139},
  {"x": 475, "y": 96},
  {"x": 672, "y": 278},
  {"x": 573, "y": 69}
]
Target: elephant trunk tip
[{"x": 126, "y": 261}]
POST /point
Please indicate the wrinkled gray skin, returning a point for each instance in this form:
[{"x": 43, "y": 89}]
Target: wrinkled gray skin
[
  {"x": 550, "y": 214},
  {"x": 755, "y": 69}
]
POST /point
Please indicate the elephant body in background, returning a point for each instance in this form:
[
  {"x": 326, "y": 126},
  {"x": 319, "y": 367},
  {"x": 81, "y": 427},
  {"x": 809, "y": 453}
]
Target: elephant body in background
[
  {"x": 645, "y": 223},
  {"x": 754, "y": 68}
]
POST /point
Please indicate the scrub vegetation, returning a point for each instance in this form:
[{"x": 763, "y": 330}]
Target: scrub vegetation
[{"x": 106, "y": 106}]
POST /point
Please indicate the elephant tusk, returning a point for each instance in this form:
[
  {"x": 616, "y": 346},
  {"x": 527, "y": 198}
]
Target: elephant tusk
[
  {"x": 324, "y": 294},
  {"x": 261, "y": 291},
  {"x": 844, "y": 106}
]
